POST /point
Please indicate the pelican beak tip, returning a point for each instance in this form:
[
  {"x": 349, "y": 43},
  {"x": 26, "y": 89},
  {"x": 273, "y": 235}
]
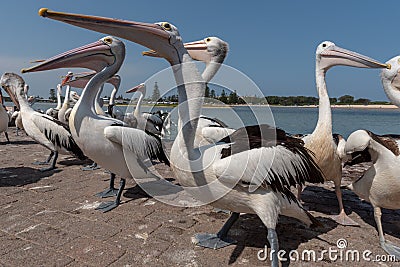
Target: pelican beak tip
[
  {"x": 43, "y": 12},
  {"x": 388, "y": 66},
  {"x": 24, "y": 70}
]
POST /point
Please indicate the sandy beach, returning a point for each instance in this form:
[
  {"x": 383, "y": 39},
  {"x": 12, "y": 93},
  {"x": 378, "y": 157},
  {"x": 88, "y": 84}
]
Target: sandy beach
[{"x": 49, "y": 219}]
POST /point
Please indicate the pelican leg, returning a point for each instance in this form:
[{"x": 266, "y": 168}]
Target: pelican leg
[
  {"x": 342, "y": 218},
  {"x": 273, "y": 241},
  {"x": 91, "y": 167},
  {"x": 111, "y": 191},
  {"x": 299, "y": 191},
  {"x": 17, "y": 131},
  {"x": 44, "y": 162},
  {"x": 107, "y": 206},
  {"x": 8, "y": 140},
  {"x": 220, "y": 239},
  {"x": 53, "y": 163},
  {"x": 390, "y": 248}
]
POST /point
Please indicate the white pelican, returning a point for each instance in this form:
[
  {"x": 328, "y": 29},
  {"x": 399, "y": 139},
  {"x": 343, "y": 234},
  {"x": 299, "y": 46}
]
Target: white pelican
[
  {"x": 224, "y": 162},
  {"x": 380, "y": 184},
  {"x": 320, "y": 142},
  {"x": 43, "y": 128},
  {"x": 4, "y": 118},
  {"x": 53, "y": 112},
  {"x": 271, "y": 196},
  {"x": 105, "y": 140},
  {"x": 115, "y": 81},
  {"x": 390, "y": 78},
  {"x": 79, "y": 80},
  {"x": 144, "y": 120},
  {"x": 70, "y": 96}
]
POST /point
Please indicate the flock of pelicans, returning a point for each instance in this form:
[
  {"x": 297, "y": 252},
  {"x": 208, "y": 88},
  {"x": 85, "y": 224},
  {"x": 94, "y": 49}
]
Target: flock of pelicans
[{"x": 257, "y": 164}]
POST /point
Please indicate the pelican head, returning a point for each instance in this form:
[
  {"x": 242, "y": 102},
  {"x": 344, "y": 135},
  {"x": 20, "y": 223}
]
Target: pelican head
[
  {"x": 210, "y": 49},
  {"x": 357, "y": 141},
  {"x": 138, "y": 88},
  {"x": 95, "y": 56},
  {"x": 115, "y": 81},
  {"x": 162, "y": 37},
  {"x": 78, "y": 80},
  {"x": 328, "y": 55},
  {"x": 357, "y": 146},
  {"x": 31, "y": 99},
  {"x": 65, "y": 79},
  {"x": 73, "y": 95},
  {"x": 14, "y": 85},
  {"x": 390, "y": 78}
]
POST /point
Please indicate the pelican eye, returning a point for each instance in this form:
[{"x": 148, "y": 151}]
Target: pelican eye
[
  {"x": 166, "y": 26},
  {"x": 108, "y": 40},
  {"x": 208, "y": 39}
]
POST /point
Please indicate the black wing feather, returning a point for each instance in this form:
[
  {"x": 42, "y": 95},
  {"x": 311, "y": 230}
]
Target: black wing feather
[
  {"x": 68, "y": 143},
  {"x": 264, "y": 135}
]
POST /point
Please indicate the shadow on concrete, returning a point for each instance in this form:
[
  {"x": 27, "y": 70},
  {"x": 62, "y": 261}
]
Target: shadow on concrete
[{"x": 18, "y": 176}]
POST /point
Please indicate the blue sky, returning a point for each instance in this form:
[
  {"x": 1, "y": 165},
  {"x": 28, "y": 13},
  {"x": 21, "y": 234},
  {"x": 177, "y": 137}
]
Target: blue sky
[{"x": 273, "y": 42}]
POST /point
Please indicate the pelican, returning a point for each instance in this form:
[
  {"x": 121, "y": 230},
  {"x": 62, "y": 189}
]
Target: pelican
[
  {"x": 4, "y": 118},
  {"x": 70, "y": 96},
  {"x": 390, "y": 78},
  {"x": 53, "y": 112},
  {"x": 105, "y": 139},
  {"x": 271, "y": 195},
  {"x": 115, "y": 81},
  {"x": 79, "y": 80},
  {"x": 151, "y": 122},
  {"x": 320, "y": 141},
  {"x": 43, "y": 128},
  {"x": 266, "y": 201},
  {"x": 380, "y": 184}
]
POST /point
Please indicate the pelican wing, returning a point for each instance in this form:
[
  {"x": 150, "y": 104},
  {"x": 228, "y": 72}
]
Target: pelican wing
[
  {"x": 393, "y": 137},
  {"x": 276, "y": 167},
  {"x": 144, "y": 145},
  {"x": 57, "y": 133}
]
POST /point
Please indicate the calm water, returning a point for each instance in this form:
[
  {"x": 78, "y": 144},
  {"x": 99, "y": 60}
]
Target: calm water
[{"x": 296, "y": 119}]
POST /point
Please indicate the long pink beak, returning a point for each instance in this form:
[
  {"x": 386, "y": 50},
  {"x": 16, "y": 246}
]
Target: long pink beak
[
  {"x": 78, "y": 57},
  {"x": 134, "y": 89}
]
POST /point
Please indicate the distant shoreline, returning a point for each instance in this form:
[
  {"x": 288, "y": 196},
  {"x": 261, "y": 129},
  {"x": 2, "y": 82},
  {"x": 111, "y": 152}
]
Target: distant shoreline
[
  {"x": 389, "y": 106},
  {"x": 374, "y": 106}
]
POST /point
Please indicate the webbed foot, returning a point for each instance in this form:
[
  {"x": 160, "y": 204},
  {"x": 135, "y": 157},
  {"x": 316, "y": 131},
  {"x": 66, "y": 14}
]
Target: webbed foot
[
  {"x": 91, "y": 167},
  {"x": 391, "y": 249},
  {"x": 343, "y": 219},
  {"x": 109, "y": 192},
  {"x": 212, "y": 241}
]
